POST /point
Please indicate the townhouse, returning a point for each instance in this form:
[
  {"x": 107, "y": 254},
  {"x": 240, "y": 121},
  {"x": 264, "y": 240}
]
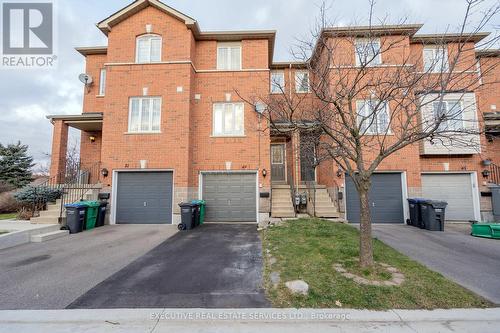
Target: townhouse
[{"x": 172, "y": 115}]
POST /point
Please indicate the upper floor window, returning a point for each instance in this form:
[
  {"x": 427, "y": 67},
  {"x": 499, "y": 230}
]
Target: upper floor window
[
  {"x": 228, "y": 119},
  {"x": 144, "y": 115},
  {"x": 450, "y": 115},
  {"x": 373, "y": 116},
  {"x": 148, "y": 49},
  {"x": 229, "y": 56},
  {"x": 302, "y": 81},
  {"x": 435, "y": 59},
  {"x": 277, "y": 82},
  {"x": 102, "y": 82},
  {"x": 368, "y": 52}
]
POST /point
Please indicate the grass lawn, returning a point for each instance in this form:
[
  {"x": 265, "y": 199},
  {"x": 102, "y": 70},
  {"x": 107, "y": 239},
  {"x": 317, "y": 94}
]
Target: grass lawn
[
  {"x": 8, "y": 216},
  {"x": 306, "y": 249}
]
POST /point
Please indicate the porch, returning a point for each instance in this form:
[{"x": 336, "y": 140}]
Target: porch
[
  {"x": 77, "y": 177},
  {"x": 298, "y": 184}
]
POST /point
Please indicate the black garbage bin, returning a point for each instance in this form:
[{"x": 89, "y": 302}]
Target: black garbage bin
[
  {"x": 188, "y": 216},
  {"x": 75, "y": 217},
  {"x": 101, "y": 214},
  {"x": 415, "y": 212},
  {"x": 433, "y": 214}
]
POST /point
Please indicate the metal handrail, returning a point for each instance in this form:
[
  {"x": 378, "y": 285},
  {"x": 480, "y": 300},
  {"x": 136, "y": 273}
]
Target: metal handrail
[
  {"x": 291, "y": 181},
  {"x": 494, "y": 176}
]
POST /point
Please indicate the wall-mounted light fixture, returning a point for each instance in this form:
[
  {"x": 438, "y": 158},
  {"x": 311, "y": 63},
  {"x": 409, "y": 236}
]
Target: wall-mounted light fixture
[
  {"x": 486, "y": 162},
  {"x": 264, "y": 173},
  {"x": 92, "y": 138},
  {"x": 104, "y": 172},
  {"x": 339, "y": 173},
  {"x": 486, "y": 173}
]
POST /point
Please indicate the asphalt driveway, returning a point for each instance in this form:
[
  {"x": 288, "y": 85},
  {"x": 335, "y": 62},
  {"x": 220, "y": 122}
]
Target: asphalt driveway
[
  {"x": 214, "y": 266},
  {"x": 51, "y": 275},
  {"x": 472, "y": 262}
]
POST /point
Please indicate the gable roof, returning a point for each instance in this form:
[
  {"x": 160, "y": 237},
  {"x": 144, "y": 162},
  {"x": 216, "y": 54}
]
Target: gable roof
[{"x": 107, "y": 24}]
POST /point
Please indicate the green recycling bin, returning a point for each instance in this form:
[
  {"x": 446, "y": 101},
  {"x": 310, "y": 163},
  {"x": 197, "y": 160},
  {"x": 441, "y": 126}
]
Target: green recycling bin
[
  {"x": 92, "y": 212},
  {"x": 202, "y": 204}
]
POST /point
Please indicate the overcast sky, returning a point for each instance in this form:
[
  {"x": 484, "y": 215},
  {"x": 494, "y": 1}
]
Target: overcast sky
[{"x": 26, "y": 97}]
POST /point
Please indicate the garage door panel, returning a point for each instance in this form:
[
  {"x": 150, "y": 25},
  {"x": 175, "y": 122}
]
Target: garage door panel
[
  {"x": 136, "y": 188},
  {"x": 385, "y": 197},
  {"x": 230, "y": 197},
  {"x": 456, "y": 189}
]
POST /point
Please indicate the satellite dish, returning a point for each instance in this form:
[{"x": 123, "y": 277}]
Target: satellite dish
[
  {"x": 85, "y": 79},
  {"x": 260, "y": 107}
]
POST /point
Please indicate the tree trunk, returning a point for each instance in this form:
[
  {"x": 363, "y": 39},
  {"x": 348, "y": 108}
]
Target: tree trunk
[{"x": 365, "y": 239}]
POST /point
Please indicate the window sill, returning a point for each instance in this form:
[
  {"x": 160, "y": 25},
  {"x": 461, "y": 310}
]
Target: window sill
[
  {"x": 141, "y": 133},
  {"x": 302, "y": 92},
  {"x": 227, "y": 136},
  {"x": 100, "y": 96}
]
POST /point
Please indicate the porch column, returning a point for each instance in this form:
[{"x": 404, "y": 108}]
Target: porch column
[{"x": 59, "y": 150}]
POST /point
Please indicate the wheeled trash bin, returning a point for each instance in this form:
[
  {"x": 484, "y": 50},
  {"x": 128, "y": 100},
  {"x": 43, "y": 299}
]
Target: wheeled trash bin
[
  {"x": 75, "y": 217},
  {"x": 433, "y": 214}
]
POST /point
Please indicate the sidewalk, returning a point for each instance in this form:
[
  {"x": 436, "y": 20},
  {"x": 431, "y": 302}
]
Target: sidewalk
[{"x": 250, "y": 320}]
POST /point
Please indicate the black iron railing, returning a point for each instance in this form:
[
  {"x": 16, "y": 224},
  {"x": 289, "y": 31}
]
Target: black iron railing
[
  {"x": 494, "y": 176},
  {"x": 69, "y": 186}
]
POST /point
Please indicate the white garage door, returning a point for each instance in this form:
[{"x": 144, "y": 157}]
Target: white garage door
[{"x": 456, "y": 189}]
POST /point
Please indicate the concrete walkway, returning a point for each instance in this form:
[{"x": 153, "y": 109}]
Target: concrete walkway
[
  {"x": 249, "y": 320},
  {"x": 472, "y": 262},
  {"x": 51, "y": 275}
]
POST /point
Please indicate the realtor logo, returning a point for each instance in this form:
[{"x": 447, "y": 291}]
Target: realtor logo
[{"x": 28, "y": 34}]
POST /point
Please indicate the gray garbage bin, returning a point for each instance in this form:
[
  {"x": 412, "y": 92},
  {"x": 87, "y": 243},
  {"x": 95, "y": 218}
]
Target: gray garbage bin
[
  {"x": 433, "y": 214},
  {"x": 189, "y": 215},
  {"x": 415, "y": 212},
  {"x": 75, "y": 217},
  {"x": 495, "y": 200}
]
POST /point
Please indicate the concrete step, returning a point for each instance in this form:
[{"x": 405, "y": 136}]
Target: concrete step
[
  {"x": 45, "y": 220},
  {"x": 43, "y": 229},
  {"x": 327, "y": 213},
  {"x": 49, "y": 236},
  {"x": 279, "y": 205},
  {"x": 278, "y": 186},
  {"x": 50, "y": 213},
  {"x": 283, "y": 213}
]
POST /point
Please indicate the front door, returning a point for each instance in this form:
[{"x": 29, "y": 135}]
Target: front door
[
  {"x": 278, "y": 172},
  {"x": 307, "y": 159}
]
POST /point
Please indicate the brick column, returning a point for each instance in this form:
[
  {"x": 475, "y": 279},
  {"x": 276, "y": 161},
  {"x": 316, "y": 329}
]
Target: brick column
[{"x": 59, "y": 150}]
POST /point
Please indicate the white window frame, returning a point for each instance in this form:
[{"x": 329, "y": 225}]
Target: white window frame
[
  {"x": 450, "y": 124},
  {"x": 298, "y": 83},
  {"x": 102, "y": 82},
  {"x": 377, "y": 61},
  {"x": 228, "y": 65},
  {"x": 373, "y": 129},
  {"x": 225, "y": 133},
  {"x": 149, "y": 38},
  {"x": 437, "y": 65},
  {"x": 141, "y": 99},
  {"x": 275, "y": 87}
]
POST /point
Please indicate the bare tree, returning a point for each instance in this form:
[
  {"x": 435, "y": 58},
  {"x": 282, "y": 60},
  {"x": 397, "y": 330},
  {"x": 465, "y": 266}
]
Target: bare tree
[{"x": 366, "y": 110}]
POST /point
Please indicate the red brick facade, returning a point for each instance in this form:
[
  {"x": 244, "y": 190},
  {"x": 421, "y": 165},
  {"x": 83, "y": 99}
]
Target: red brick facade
[{"x": 189, "y": 84}]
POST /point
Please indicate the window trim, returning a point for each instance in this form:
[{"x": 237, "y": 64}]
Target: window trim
[
  {"x": 297, "y": 83},
  {"x": 228, "y": 135},
  {"x": 282, "y": 74},
  {"x": 373, "y": 63},
  {"x": 369, "y": 130},
  {"x": 102, "y": 82},
  {"x": 229, "y": 45},
  {"x": 436, "y": 69},
  {"x": 140, "y": 131},
  {"x": 149, "y": 37}
]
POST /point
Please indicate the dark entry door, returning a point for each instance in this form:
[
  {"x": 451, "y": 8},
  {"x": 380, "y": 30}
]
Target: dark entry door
[
  {"x": 278, "y": 163},
  {"x": 307, "y": 159}
]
